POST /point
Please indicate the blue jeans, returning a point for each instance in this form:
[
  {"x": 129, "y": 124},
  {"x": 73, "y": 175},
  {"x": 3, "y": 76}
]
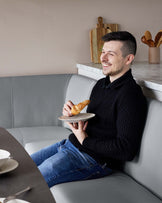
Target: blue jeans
[{"x": 63, "y": 162}]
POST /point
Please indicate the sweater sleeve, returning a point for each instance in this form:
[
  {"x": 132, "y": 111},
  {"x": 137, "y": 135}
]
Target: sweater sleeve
[{"x": 131, "y": 114}]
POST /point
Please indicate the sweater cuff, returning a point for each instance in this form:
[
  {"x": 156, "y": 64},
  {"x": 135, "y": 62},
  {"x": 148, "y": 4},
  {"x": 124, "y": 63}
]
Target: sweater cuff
[{"x": 89, "y": 143}]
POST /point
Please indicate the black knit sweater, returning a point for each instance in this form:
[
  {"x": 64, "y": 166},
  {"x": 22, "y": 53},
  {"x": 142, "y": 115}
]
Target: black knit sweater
[{"x": 115, "y": 132}]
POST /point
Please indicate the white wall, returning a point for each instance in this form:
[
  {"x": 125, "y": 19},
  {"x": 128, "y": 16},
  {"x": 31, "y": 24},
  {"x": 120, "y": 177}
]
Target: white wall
[{"x": 51, "y": 36}]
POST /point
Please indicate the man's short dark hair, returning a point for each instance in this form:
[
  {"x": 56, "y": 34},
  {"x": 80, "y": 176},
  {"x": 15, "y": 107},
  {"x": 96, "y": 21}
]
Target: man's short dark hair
[{"x": 129, "y": 41}]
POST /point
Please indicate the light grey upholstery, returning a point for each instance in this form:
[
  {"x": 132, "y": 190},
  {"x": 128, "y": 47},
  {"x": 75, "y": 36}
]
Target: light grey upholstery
[
  {"x": 35, "y": 138},
  {"x": 117, "y": 188},
  {"x": 29, "y": 109},
  {"x": 38, "y": 100},
  {"x": 79, "y": 88},
  {"x": 147, "y": 167},
  {"x": 6, "y": 116}
]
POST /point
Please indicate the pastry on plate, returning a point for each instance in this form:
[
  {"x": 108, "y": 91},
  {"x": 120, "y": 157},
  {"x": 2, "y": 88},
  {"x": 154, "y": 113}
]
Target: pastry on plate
[{"x": 76, "y": 109}]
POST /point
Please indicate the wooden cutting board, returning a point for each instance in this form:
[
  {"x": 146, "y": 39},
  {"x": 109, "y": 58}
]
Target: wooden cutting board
[{"x": 95, "y": 38}]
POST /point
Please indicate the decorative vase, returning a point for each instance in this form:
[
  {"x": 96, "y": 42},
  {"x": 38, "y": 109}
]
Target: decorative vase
[{"x": 154, "y": 55}]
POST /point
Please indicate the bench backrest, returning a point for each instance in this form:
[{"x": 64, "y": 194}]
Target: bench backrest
[
  {"x": 146, "y": 168},
  {"x": 27, "y": 101}
]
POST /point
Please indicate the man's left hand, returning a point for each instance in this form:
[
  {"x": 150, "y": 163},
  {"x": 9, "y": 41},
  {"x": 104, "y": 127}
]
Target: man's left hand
[{"x": 79, "y": 130}]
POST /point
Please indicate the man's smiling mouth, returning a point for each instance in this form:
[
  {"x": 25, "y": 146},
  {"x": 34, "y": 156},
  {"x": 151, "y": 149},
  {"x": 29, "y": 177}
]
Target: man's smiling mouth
[{"x": 106, "y": 65}]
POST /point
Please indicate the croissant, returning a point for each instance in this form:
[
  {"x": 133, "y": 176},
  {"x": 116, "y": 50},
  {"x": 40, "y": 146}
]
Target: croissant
[{"x": 76, "y": 109}]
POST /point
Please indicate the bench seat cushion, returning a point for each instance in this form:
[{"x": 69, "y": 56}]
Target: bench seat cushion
[
  {"x": 116, "y": 188},
  {"x": 35, "y": 138}
]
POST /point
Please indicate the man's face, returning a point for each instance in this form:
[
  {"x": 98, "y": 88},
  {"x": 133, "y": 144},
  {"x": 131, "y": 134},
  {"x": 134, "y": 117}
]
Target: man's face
[{"x": 113, "y": 62}]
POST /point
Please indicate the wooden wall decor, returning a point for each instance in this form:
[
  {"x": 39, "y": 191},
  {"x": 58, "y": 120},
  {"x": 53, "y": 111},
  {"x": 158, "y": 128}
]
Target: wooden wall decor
[{"x": 95, "y": 38}]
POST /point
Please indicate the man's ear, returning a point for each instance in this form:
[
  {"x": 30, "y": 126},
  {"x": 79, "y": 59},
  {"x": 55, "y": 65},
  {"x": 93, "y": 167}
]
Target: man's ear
[{"x": 130, "y": 58}]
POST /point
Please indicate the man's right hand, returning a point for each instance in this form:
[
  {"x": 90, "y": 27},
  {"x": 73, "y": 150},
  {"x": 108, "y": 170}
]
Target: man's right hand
[{"x": 67, "y": 108}]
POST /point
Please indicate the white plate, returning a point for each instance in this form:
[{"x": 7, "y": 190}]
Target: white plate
[
  {"x": 14, "y": 200},
  {"x": 79, "y": 117},
  {"x": 10, "y": 165}
]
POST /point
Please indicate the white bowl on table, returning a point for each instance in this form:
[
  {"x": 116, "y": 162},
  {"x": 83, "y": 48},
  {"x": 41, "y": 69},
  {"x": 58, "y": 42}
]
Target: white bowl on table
[{"x": 4, "y": 156}]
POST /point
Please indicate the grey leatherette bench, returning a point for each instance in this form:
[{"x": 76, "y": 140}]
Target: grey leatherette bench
[{"x": 29, "y": 110}]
